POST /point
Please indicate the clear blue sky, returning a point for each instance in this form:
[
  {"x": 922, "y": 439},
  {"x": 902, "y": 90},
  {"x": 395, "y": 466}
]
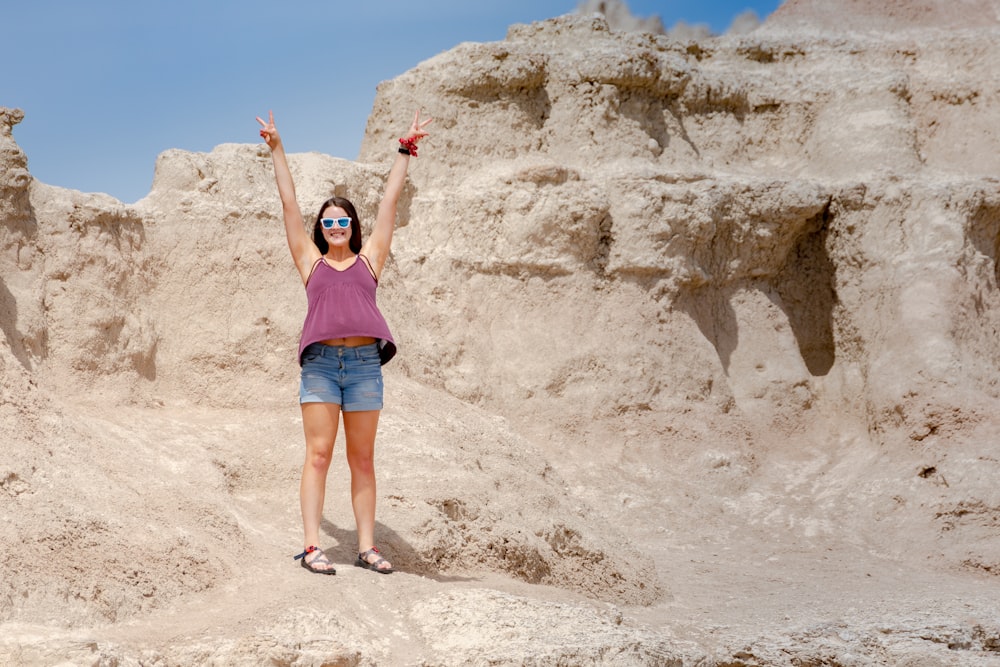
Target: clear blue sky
[{"x": 108, "y": 85}]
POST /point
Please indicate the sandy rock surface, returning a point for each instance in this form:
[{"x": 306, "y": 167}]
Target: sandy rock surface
[{"x": 698, "y": 365}]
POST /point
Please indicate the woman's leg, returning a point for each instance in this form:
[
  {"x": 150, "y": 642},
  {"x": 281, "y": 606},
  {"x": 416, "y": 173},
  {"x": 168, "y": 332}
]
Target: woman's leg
[
  {"x": 359, "y": 429},
  {"x": 320, "y": 421}
]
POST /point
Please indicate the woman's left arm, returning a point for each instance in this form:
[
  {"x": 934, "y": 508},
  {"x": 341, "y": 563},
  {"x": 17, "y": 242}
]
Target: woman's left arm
[{"x": 376, "y": 248}]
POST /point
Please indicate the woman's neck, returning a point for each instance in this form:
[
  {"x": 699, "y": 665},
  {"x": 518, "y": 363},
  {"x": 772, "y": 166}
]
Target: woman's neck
[{"x": 339, "y": 254}]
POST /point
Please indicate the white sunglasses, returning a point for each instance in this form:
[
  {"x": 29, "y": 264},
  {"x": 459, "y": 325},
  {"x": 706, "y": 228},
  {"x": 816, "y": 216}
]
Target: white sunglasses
[{"x": 328, "y": 223}]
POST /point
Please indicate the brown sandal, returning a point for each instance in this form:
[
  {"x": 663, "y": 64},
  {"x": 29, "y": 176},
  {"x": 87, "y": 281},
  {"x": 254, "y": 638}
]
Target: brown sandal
[
  {"x": 362, "y": 561},
  {"x": 321, "y": 559}
]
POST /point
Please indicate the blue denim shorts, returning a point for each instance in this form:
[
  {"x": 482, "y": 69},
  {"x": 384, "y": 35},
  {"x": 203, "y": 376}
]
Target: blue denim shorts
[{"x": 351, "y": 377}]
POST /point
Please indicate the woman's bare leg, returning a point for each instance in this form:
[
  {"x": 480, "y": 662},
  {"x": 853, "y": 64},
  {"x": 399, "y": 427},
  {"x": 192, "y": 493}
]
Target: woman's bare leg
[
  {"x": 359, "y": 429},
  {"x": 320, "y": 422}
]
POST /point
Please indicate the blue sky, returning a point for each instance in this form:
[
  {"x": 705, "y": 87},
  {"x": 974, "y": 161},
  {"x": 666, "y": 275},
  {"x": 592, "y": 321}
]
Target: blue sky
[{"x": 106, "y": 86}]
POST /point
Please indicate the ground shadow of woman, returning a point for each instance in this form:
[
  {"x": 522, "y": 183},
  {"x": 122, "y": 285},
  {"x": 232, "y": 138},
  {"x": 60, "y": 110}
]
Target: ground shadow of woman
[{"x": 403, "y": 556}]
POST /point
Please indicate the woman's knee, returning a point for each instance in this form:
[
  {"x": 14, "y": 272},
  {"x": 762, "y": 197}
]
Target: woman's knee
[
  {"x": 361, "y": 464},
  {"x": 319, "y": 455}
]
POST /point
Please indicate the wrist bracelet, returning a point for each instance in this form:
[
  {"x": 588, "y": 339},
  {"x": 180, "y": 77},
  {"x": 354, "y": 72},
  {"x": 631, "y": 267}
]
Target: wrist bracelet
[
  {"x": 405, "y": 151},
  {"x": 409, "y": 145}
]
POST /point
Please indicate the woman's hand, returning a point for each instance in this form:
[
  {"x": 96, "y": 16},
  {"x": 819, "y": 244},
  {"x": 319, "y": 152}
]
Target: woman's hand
[
  {"x": 417, "y": 131},
  {"x": 269, "y": 132}
]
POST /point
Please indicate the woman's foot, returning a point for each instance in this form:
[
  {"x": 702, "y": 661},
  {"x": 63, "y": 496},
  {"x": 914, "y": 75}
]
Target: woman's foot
[
  {"x": 314, "y": 560},
  {"x": 372, "y": 560}
]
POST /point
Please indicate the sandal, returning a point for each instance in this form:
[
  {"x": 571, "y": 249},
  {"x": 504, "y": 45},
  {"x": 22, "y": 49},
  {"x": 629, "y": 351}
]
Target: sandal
[
  {"x": 321, "y": 559},
  {"x": 362, "y": 561}
]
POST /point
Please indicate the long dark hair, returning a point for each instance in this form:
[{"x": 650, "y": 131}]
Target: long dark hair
[{"x": 354, "y": 243}]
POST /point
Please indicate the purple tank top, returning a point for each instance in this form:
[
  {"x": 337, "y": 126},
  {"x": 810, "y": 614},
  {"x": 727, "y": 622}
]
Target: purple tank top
[{"x": 342, "y": 304}]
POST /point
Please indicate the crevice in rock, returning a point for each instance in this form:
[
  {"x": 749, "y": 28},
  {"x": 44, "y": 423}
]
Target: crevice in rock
[
  {"x": 605, "y": 239},
  {"x": 710, "y": 309},
  {"x": 984, "y": 234},
  {"x": 806, "y": 287}
]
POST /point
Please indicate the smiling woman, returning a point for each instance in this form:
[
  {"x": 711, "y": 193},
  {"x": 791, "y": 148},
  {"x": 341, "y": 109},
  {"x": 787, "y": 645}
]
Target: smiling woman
[{"x": 345, "y": 341}]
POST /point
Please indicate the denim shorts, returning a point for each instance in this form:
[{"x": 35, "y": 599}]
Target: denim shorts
[{"x": 351, "y": 377}]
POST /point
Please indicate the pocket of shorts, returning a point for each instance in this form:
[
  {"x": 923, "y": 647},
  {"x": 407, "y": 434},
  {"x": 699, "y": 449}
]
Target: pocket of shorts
[{"x": 367, "y": 358}]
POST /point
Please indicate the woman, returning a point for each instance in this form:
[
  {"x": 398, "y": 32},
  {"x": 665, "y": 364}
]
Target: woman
[{"x": 345, "y": 340}]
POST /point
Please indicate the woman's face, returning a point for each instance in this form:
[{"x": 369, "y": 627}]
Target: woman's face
[{"x": 337, "y": 235}]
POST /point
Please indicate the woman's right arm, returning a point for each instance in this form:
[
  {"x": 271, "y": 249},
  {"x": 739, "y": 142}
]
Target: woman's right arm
[{"x": 304, "y": 251}]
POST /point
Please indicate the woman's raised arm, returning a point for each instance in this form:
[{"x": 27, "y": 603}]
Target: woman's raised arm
[
  {"x": 376, "y": 249},
  {"x": 304, "y": 251}
]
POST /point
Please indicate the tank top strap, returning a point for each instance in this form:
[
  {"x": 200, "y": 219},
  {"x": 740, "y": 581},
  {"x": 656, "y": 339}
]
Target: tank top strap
[
  {"x": 369, "y": 265},
  {"x": 313, "y": 269}
]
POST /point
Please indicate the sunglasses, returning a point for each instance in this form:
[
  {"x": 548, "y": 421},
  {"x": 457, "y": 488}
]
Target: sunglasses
[{"x": 329, "y": 223}]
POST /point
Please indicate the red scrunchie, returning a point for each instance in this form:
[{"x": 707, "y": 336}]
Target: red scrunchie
[{"x": 410, "y": 145}]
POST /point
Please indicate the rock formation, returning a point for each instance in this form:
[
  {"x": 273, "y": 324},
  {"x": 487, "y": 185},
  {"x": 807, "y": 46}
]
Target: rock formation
[{"x": 698, "y": 365}]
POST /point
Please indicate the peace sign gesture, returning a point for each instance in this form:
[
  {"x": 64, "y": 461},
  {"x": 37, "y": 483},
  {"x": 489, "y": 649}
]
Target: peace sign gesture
[
  {"x": 269, "y": 132},
  {"x": 417, "y": 131}
]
